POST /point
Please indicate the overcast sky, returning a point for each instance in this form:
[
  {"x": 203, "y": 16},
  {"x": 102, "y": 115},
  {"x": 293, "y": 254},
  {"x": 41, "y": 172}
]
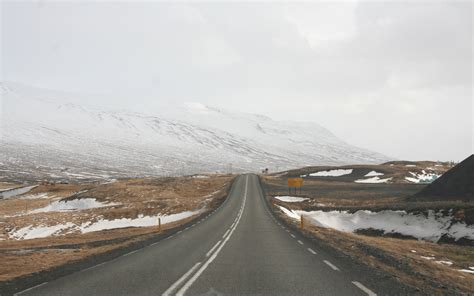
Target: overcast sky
[{"x": 388, "y": 76}]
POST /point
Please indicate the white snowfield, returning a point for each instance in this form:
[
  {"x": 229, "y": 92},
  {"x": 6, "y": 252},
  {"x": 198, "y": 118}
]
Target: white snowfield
[
  {"x": 373, "y": 174},
  {"x": 373, "y": 180},
  {"x": 291, "y": 198},
  {"x": 72, "y": 205},
  {"x": 429, "y": 228},
  {"x": 332, "y": 173},
  {"x": 422, "y": 177},
  {"x": 31, "y": 232},
  {"x": 104, "y": 143}
]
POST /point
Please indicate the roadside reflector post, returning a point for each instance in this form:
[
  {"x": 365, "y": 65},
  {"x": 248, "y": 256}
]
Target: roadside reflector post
[
  {"x": 301, "y": 222},
  {"x": 159, "y": 224}
]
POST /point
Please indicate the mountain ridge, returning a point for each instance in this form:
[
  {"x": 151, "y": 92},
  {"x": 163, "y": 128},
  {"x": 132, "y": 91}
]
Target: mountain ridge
[{"x": 45, "y": 129}]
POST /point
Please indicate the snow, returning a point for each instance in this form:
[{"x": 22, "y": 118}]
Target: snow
[
  {"x": 140, "y": 221},
  {"x": 427, "y": 258},
  {"x": 36, "y": 196},
  {"x": 15, "y": 192},
  {"x": 373, "y": 174},
  {"x": 373, "y": 180},
  {"x": 291, "y": 198},
  {"x": 103, "y": 143},
  {"x": 422, "y": 177},
  {"x": 71, "y": 205},
  {"x": 444, "y": 262},
  {"x": 31, "y": 232},
  {"x": 201, "y": 177},
  {"x": 332, "y": 173},
  {"x": 290, "y": 213},
  {"x": 466, "y": 270},
  {"x": 410, "y": 165},
  {"x": 430, "y": 227}
]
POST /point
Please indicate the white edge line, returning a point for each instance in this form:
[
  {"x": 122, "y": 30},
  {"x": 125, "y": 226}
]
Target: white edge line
[
  {"x": 331, "y": 265},
  {"x": 181, "y": 279},
  {"x": 29, "y": 289},
  {"x": 364, "y": 288}
]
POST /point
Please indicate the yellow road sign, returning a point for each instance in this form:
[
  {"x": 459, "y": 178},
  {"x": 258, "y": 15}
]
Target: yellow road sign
[{"x": 295, "y": 182}]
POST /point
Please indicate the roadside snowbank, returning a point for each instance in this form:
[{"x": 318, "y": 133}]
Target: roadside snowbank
[
  {"x": 31, "y": 232},
  {"x": 291, "y": 198},
  {"x": 430, "y": 227}
]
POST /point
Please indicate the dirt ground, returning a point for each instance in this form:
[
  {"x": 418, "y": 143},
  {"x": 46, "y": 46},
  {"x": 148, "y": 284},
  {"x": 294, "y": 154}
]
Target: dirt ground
[
  {"x": 418, "y": 263},
  {"x": 129, "y": 198}
]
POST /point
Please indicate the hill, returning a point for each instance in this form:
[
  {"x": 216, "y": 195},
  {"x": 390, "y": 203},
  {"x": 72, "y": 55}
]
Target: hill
[
  {"x": 50, "y": 134},
  {"x": 455, "y": 184}
]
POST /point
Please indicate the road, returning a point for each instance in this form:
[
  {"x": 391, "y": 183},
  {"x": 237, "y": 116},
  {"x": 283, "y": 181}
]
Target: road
[{"x": 240, "y": 249}]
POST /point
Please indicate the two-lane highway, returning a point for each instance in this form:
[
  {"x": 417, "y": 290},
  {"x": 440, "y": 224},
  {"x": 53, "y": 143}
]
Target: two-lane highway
[{"x": 240, "y": 249}]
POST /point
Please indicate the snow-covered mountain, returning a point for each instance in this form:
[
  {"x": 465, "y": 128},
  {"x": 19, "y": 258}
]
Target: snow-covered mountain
[{"x": 45, "y": 134}]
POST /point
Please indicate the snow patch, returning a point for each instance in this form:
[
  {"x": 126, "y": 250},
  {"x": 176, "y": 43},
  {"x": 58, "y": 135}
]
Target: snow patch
[
  {"x": 291, "y": 198},
  {"x": 430, "y": 227},
  {"x": 332, "y": 173},
  {"x": 422, "y": 177},
  {"x": 73, "y": 205},
  {"x": 31, "y": 232},
  {"x": 373, "y": 180},
  {"x": 373, "y": 174},
  {"x": 15, "y": 192}
]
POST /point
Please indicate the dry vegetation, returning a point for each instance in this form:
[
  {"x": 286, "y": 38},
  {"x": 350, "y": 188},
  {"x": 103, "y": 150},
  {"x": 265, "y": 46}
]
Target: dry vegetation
[{"x": 127, "y": 198}]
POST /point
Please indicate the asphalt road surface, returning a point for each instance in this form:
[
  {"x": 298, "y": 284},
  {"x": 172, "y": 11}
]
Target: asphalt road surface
[{"x": 240, "y": 249}]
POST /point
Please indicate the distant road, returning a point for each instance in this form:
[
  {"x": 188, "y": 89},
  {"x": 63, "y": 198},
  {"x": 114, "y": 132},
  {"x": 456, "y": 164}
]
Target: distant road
[{"x": 238, "y": 250}]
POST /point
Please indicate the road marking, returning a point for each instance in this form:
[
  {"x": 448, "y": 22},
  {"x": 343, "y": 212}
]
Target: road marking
[
  {"x": 364, "y": 288},
  {"x": 212, "y": 249},
  {"x": 179, "y": 231},
  {"x": 181, "y": 279},
  {"x": 331, "y": 265},
  {"x": 312, "y": 251},
  {"x": 188, "y": 284},
  {"x": 300, "y": 242},
  {"x": 287, "y": 230},
  {"x": 29, "y": 289},
  {"x": 226, "y": 233},
  {"x": 292, "y": 235},
  {"x": 130, "y": 253}
]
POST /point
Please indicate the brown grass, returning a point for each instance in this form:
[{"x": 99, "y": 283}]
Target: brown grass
[{"x": 135, "y": 196}]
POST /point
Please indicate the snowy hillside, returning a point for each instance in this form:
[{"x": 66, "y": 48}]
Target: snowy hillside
[{"x": 46, "y": 134}]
